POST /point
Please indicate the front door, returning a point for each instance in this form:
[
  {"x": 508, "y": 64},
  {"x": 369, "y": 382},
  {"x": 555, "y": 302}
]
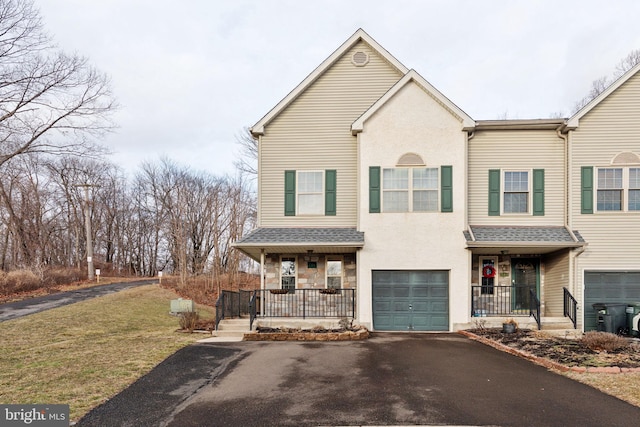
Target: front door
[{"x": 525, "y": 273}]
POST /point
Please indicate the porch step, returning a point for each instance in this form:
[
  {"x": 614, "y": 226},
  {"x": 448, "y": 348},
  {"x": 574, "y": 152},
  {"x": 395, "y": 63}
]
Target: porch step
[
  {"x": 556, "y": 323},
  {"x": 232, "y": 328}
]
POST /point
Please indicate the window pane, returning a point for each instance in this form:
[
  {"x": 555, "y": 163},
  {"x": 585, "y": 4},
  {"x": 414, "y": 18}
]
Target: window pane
[
  {"x": 609, "y": 179},
  {"x": 516, "y": 202},
  {"x": 516, "y": 181},
  {"x": 426, "y": 179},
  {"x": 395, "y": 179},
  {"x": 609, "y": 200},
  {"x": 334, "y": 282},
  {"x": 634, "y": 200},
  {"x": 634, "y": 178},
  {"x": 395, "y": 201},
  {"x": 310, "y": 204},
  {"x": 288, "y": 266},
  {"x": 425, "y": 201},
  {"x": 334, "y": 268},
  {"x": 310, "y": 182}
]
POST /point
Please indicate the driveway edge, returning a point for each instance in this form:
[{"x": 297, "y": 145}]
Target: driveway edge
[{"x": 549, "y": 364}]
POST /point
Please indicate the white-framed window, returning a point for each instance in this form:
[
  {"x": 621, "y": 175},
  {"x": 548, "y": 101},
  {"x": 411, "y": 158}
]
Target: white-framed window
[
  {"x": 516, "y": 191},
  {"x": 310, "y": 192},
  {"x": 410, "y": 189},
  {"x": 488, "y": 273},
  {"x": 618, "y": 189},
  {"x": 288, "y": 272},
  {"x": 334, "y": 272}
]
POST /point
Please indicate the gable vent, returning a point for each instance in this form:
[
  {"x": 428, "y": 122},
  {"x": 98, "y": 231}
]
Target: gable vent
[{"x": 360, "y": 59}]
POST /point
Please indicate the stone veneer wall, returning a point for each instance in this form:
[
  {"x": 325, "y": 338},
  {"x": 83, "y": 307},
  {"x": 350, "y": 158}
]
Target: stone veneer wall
[{"x": 310, "y": 278}]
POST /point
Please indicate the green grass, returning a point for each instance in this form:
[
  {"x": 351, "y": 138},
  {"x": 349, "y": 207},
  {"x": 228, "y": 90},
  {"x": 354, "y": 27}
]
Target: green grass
[{"x": 83, "y": 354}]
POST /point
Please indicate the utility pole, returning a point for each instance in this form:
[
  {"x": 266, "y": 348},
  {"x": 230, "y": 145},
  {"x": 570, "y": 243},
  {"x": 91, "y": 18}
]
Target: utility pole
[{"x": 87, "y": 225}]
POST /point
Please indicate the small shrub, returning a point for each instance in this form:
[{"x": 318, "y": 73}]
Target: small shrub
[
  {"x": 188, "y": 320},
  {"x": 604, "y": 341}
]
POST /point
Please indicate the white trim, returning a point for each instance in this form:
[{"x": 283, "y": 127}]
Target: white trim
[
  {"x": 322, "y": 193},
  {"x": 295, "y": 275},
  {"x": 327, "y": 259},
  {"x": 574, "y": 121},
  {"x": 529, "y": 191},
  {"x": 360, "y": 35},
  {"x": 412, "y": 76}
]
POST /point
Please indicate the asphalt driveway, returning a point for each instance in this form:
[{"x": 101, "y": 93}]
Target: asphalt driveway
[
  {"x": 390, "y": 379},
  {"x": 28, "y": 306}
]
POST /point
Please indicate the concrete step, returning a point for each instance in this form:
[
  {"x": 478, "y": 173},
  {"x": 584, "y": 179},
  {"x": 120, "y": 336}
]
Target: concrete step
[
  {"x": 556, "y": 323},
  {"x": 237, "y": 326}
]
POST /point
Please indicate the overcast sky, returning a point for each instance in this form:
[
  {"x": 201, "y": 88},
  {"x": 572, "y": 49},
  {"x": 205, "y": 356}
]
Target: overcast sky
[{"x": 191, "y": 74}]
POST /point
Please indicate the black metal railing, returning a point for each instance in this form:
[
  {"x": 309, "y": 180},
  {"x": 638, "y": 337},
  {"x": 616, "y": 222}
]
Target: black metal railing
[
  {"x": 252, "y": 310},
  {"x": 304, "y": 303},
  {"x": 232, "y": 304},
  {"x": 570, "y": 307},
  {"x": 534, "y": 307},
  {"x": 501, "y": 300}
]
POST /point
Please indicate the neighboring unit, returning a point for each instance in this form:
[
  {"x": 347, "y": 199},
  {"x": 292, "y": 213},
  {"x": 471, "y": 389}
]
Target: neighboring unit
[{"x": 381, "y": 201}]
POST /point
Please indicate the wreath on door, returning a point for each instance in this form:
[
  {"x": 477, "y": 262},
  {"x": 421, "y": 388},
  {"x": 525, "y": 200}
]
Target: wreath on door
[{"x": 488, "y": 271}]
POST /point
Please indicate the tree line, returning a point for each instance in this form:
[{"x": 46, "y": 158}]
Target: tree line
[{"x": 167, "y": 218}]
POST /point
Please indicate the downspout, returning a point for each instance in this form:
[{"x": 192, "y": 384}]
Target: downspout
[{"x": 573, "y": 268}]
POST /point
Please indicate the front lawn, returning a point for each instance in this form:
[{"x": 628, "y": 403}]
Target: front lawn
[{"x": 84, "y": 353}]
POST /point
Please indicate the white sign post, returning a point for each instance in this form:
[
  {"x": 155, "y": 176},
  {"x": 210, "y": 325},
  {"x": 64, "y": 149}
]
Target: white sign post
[
  {"x": 97, "y": 275},
  {"x": 160, "y": 276}
]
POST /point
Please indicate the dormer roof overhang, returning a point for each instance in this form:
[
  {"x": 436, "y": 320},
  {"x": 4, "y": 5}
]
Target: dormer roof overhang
[{"x": 468, "y": 124}]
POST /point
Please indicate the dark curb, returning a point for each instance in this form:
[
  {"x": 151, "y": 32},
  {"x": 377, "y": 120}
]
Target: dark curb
[{"x": 549, "y": 364}]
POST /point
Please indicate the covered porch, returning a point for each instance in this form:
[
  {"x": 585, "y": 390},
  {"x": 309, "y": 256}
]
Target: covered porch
[
  {"x": 522, "y": 272},
  {"x": 305, "y": 273}
]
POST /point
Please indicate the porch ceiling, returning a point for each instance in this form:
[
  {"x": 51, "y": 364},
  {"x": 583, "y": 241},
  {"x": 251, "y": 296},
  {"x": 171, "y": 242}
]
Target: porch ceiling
[
  {"x": 518, "y": 240},
  {"x": 300, "y": 240}
]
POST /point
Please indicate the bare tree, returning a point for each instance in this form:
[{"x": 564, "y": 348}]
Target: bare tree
[
  {"x": 50, "y": 102},
  {"x": 600, "y": 85},
  {"x": 247, "y": 162}
]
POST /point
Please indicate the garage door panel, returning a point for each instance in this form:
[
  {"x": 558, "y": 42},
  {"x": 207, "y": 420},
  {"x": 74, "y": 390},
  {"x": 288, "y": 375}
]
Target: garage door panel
[
  {"x": 401, "y": 291},
  {"x": 426, "y": 291},
  {"x": 608, "y": 287}
]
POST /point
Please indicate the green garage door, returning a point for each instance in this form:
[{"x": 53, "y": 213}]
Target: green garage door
[
  {"x": 416, "y": 300},
  {"x": 608, "y": 286}
]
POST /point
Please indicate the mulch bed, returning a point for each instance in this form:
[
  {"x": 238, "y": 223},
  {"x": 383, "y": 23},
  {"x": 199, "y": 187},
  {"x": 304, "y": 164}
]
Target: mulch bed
[{"x": 565, "y": 351}]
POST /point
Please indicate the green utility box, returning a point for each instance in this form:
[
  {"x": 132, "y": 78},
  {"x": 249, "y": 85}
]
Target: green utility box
[{"x": 182, "y": 305}]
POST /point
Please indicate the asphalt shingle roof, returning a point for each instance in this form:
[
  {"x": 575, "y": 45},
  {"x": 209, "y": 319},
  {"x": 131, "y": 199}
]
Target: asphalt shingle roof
[
  {"x": 522, "y": 234},
  {"x": 303, "y": 236}
]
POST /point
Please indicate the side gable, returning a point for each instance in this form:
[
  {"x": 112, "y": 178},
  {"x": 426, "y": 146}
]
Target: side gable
[
  {"x": 412, "y": 76},
  {"x": 574, "y": 121},
  {"x": 358, "y": 36}
]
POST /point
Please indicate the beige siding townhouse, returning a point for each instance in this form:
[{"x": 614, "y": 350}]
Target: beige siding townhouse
[{"x": 381, "y": 201}]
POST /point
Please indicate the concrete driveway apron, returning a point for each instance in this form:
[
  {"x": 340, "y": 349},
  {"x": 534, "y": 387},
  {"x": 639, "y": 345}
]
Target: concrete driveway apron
[{"x": 390, "y": 379}]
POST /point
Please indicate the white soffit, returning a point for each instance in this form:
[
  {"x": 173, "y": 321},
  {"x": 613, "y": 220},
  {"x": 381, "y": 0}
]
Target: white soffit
[
  {"x": 574, "y": 121},
  {"x": 258, "y": 128},
  {"x": 412, "y": 76}
]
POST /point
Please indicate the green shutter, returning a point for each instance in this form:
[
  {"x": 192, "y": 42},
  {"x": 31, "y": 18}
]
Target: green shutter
[
  {"x": 374, "y": 189},
  {"x": 586, "y": 179},
  {"x": 446, "y": 188},
  {"x": 538, "y": 191},
  {"x": 494, "y": 192},
  {"x": 330, "y": 192},
  {"x": 289, "y": 193}
]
